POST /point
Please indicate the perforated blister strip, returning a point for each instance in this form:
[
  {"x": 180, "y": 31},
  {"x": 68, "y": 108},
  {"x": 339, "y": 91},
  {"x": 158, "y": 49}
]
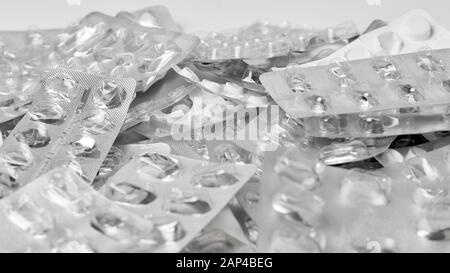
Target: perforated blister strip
[{"x": 29, "y": 160}]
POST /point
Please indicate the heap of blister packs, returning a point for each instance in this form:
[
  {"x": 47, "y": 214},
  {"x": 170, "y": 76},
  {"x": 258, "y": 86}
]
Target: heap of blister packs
[{"x": 123, "y": 134}]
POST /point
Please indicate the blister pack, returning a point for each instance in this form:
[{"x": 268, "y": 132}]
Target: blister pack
[
  {"x": 198, "y": 112},
  {"x": 308, "y": 207},
  {"x": 366, "y": 97},
  {"x": 265, "y": 40},
  {"x": 59, "y": 212},
  {"x": 180, "y": 195},
  {"x": 230, "y": 90},
  {"x": 100, "y": 44},
  {"x": 408, "y": 33},
  {"x": 153, "y": 16},
  {"x": 22, "y": 55},
  {"x": 120, "y": 155},
  {"x": 269, "y": 134},
  {"x": 163, "y": 94},
  {"x": 73, "y": 123}
]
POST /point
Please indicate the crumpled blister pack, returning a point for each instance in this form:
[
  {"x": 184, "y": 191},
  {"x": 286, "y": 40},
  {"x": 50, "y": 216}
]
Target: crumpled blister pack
[{"x": 121, "y": 133}]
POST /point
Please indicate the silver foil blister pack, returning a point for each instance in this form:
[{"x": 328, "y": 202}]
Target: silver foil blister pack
[{"x": 73, "y": 123}]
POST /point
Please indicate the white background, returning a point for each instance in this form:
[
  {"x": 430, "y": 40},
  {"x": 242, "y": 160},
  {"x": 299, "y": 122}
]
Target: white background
[{"x": 207, "y": 15}]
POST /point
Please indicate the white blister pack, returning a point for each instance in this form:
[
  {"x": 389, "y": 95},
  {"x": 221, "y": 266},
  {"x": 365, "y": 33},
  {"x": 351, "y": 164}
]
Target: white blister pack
[
  {"x": 380, "y": 96},
  {"x": 180, "y": 195},
  {"x": 408, "y": 33}
]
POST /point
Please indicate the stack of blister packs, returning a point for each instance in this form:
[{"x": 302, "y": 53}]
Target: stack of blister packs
[{"x": 123, "y": 134}]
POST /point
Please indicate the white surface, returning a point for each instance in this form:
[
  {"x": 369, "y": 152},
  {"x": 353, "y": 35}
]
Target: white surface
[{"x": 198, "y": 15}]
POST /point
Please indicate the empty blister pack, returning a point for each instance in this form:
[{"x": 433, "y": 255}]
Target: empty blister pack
[
  {"x": 366, "y": 97},
  {"x": 73, "y": 123},
  {"x": 153, "y": 16},
  {"x": 163, "y": 94},
  {"x": 268, "y": 133},
  {"x": 198, "y": 112},
  {"x": 265, "y": 40},
  {"x": 120, "y": 155},
  {"x": 105, "y": 45},
  {"x": 312, "y": 208},
  {"x": 408, "y": 33},
  {"x": 22, "y": 56},
  {"x": 178, "y": 194},
  {"x": 59, "y": 212}
]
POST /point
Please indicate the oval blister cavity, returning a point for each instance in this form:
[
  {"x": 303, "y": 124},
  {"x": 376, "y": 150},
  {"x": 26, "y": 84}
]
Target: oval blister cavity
[
  {"x": 189, "y": 205},
  {"x": 127, "y": 193},
  {"x": 214, "y": 179},
  {"x": 18, "y": 155},
  {"x": 386, "y": 69},
  {"x": 159, "y": 166},
  {"x": 228, "y": 152},
  {"x": 109, "y": 94},
  {"x": 114, "y": 226},
  {"x": 298, "y": 205},
  {"x": 343, "y": 152},
  {"x": 63, "y": 191}
]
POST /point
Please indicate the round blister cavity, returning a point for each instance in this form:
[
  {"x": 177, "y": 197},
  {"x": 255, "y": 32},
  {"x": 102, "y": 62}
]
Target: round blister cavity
[
  {"x": 109, "y": 94},
  {"x": 97, "y": 122},
  {"x": 62, "y": 85},
  {"x": 36, "y": 137}
]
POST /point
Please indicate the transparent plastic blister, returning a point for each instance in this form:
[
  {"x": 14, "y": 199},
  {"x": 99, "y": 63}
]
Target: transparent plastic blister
[
  {"x": 59, "y": 212},
  {"x": 286, "y": 132},
  {"x": 163, "y": 94},
  {"x": 233, "y": 91},
  {"x": 401, "y": 208},
  {"x": 181, "y": 194},
  {"x": 367, "y": 97},
  {"x": 265, "y": 40},
  {"x": 105, "y": 45},
  {"x": 73, "y": 124},
  {"x": 120, "y": 155},
  {"x": 152, "y": 16},
  {"x": 197, "y": 111}
]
